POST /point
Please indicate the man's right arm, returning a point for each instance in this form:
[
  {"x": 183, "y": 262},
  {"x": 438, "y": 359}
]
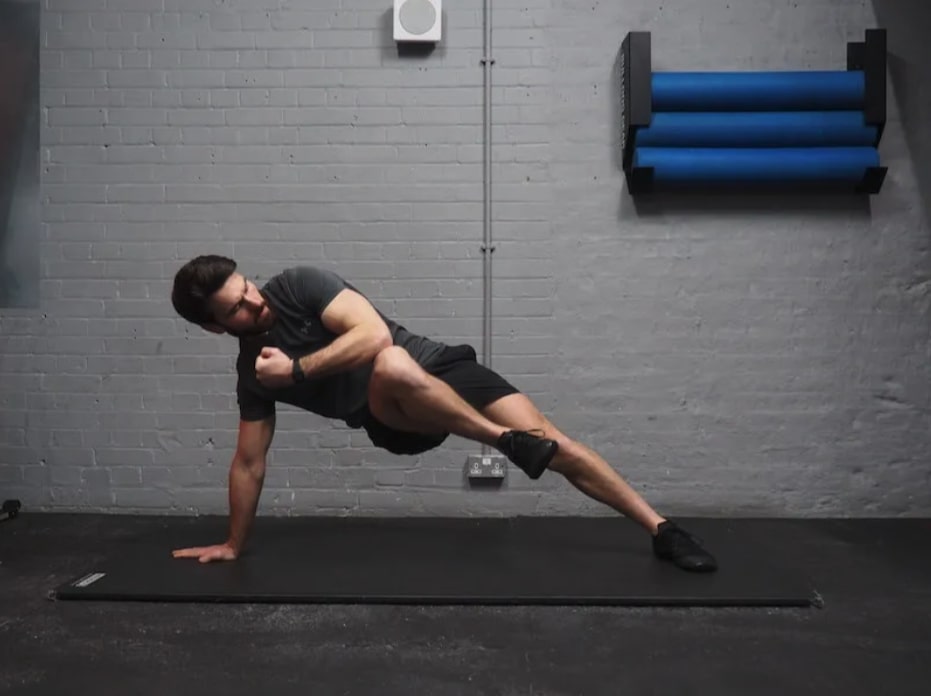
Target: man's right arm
[{"x": 247, "y": 474}]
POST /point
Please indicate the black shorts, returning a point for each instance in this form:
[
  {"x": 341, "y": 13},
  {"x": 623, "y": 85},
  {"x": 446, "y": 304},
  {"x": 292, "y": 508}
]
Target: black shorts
[{"x": 459, "y": 368}]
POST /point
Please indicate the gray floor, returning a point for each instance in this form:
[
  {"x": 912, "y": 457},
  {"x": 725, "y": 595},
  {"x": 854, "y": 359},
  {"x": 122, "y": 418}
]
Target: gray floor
[{"x": 873, "y": 635}]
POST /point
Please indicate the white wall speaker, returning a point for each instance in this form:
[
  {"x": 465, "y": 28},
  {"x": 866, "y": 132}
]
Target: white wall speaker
[{"x": 417, "y": 20}]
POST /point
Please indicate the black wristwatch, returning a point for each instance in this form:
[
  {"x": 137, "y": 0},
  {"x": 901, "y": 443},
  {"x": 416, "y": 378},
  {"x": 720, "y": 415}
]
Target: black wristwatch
[{"x": 297, "y": 374}]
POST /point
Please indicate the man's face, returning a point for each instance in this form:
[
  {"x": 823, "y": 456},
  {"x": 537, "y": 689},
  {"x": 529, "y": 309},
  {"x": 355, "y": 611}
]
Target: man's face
[{"x": 240, "y": 309}]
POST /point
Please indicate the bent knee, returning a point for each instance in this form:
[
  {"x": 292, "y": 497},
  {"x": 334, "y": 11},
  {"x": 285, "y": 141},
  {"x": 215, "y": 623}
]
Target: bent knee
[
  {"x": 394, "y": 366},
  {"x": 391, "y": 361}
]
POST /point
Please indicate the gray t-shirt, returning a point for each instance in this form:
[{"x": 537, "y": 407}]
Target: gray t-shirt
[{"x": 299, "y": 296}]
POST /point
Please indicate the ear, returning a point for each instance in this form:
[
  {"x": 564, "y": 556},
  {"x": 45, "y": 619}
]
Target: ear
[{"x": 213, "y": 328}]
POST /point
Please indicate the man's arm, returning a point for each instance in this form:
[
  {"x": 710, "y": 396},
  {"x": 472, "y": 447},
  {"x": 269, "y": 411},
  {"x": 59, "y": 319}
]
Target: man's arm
[
  {"x": 247, "y": 474},
  {"x": 362, "y": 334}
]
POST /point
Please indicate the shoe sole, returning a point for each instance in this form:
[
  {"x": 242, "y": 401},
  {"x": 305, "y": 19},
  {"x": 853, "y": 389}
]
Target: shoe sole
[{"x": 537, "y": 473}]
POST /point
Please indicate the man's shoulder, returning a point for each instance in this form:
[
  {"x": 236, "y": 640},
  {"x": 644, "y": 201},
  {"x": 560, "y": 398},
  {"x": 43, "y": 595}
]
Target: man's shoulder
[
  {"x": 288, "y": 273},
  {"x": 302, "y": 273}
]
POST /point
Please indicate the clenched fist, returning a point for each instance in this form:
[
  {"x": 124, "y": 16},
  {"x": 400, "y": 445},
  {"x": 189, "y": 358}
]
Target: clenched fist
[{"x": 273, "y": 368}]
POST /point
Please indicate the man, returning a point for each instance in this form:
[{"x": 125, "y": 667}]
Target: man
[{"x": 311, "y": 339}]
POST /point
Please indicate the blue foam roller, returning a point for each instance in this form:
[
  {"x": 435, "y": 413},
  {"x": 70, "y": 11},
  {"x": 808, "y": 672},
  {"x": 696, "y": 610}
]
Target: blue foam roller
[
  {"x": 683, "y": 165},
  {"x": 756, "y": 129},
  {"x": 758, "y": 91}
]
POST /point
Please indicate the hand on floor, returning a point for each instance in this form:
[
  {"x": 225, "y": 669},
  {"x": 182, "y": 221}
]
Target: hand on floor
[{"x": 206, "y": 554}]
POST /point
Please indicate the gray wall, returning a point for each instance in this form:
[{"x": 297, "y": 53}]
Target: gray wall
[{"x": 731, "y": 356}]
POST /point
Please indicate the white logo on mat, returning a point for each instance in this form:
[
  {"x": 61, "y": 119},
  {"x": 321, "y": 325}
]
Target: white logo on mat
[{"x": 88, "y": 579}]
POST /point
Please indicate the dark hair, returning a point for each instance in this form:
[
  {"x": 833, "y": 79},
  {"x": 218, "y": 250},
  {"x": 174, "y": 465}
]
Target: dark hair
[{"x": 196, "y": 282}]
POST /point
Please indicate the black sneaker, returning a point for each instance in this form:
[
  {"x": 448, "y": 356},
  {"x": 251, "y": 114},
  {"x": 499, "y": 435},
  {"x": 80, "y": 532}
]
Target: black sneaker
[
  {"x": 673, "y": 543},
  {"x": 530, "y": 452}
]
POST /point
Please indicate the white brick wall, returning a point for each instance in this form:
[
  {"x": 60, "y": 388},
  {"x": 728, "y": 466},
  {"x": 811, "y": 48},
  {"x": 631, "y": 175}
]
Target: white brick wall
[{"x": 728, "y": 357}]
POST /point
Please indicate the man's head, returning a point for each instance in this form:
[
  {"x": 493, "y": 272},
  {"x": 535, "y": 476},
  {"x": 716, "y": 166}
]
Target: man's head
[{"x": 209, "y": 292}]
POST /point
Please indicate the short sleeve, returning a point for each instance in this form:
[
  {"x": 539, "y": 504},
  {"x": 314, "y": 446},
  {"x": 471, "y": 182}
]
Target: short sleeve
[
  {"x": 314, "y": 288},
  {"x": 252, "y": 406}
]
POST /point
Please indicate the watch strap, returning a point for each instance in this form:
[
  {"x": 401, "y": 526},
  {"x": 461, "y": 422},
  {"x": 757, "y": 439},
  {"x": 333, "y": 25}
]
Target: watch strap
[{"x": 297, "y": 374}]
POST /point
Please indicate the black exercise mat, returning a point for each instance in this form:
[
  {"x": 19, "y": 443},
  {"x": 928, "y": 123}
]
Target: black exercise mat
[{"x": 521, "y": 560}]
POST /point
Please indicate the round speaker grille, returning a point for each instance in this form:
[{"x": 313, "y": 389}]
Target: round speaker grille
[{"x": 417, "y": 16}]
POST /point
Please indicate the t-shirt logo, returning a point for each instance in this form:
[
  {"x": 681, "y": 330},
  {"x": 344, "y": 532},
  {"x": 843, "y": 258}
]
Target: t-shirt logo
[{"x": 308, "y": 323}]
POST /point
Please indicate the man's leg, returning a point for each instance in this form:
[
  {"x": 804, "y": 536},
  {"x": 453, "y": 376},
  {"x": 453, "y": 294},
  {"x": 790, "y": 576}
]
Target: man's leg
[
  {"x": 405, "y": 397},
  {"x": 592, "y": 475},
  {"x": 581, "y": 466}
]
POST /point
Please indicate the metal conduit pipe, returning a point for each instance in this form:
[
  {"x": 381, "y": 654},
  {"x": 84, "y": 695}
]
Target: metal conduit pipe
[{"x": 488, "y": 247}]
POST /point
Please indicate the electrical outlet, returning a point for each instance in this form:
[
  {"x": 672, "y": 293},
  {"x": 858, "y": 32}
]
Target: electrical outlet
[{"x": 486, "y": 466}]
